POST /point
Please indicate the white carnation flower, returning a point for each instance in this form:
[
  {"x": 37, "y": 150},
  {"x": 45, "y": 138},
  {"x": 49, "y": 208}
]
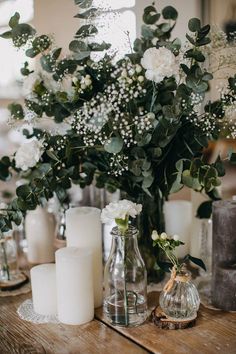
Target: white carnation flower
[
  {"x": 120, "y": 210},
  {"x": 159, "y": 63},
  {"x": 28, "y": 154}
]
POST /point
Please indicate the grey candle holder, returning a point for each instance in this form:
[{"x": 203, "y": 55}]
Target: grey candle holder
[{"x": 224, "y": 255}]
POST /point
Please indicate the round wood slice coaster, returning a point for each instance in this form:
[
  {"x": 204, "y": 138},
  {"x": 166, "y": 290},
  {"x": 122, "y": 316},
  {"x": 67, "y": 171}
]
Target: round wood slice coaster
[
  {"x": 161, "y": 320},
  {"x": 14, "y": 283}
]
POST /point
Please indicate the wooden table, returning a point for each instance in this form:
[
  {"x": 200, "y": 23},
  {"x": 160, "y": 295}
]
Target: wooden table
[{"x": 215, "y": 332}]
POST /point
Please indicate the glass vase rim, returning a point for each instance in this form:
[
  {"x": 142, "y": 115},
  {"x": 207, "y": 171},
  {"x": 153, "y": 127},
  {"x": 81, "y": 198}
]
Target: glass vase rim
[{"x": 132, "y": 231}]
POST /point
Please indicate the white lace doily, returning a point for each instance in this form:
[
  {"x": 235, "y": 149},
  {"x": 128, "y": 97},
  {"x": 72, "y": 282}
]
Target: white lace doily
[{"x": 26, "y": 312}]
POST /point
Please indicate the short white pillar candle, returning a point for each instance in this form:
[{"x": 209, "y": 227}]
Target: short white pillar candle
[
  {"x": 178, "y": 221},
  {"x": 74, "y": 275},
  {"x": 43, "y": 282},
  {"x": 84, "y": 230}
]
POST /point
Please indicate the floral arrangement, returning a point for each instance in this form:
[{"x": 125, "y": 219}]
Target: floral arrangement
[
  {"x": 121, "y": 211},
  {"x": 139, "y": 124},
  {"x": 168, "y": 245}
]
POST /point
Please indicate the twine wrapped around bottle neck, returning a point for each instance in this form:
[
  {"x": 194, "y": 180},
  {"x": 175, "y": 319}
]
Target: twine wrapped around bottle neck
[{"x": 175, "y": 277}]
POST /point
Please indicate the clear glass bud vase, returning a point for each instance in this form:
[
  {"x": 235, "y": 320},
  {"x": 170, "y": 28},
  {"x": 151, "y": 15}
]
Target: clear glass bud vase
[
  {"x": 8, "y": 259},
  {"x": 180, "y": 299},
  {"x": 125, "y": 277}
]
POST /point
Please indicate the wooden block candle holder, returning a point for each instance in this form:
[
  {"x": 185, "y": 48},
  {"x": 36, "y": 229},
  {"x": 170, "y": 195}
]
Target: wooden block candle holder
[{"x": 161, "y": 320}]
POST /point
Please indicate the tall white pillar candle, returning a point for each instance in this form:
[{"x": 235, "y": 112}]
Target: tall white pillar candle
[
  {"x": 43, "y": 283},
  {"x": 74, "y": 273},
  {"x": 84, "y": 230},
  {"x": 39, "y": 230},
  {"x": 178, "y": 221}
]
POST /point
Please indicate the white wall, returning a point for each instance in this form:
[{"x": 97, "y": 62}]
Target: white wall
[{"x": 56, "y": 16}]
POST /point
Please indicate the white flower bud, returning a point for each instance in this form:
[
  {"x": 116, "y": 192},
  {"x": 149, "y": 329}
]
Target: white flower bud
[
  {"x": 176, "y": 237},
  {"x": 138, "y": 68},
  {"x": 131, "y": 72},
  {"x": 124, "y": 73},
  {"x": 140, "y": 78},
  {"x": 163, "y": 236},
  {"x": 83, "y": 86},
  {"x": 155, "y": 235},
  {"x": 151, "y": 115},
  {"x": 87, "y": 81}
]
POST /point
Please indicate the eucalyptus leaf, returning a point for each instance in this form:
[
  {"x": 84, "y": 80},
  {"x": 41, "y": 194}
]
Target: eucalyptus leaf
[
  {"x": 169, "y": 13},
  {"x": 14, "y": 20},
  {"x": 194, "y": 24},
  {"x": 114, "y": 146},
  {"x": 84, "y": 3}
]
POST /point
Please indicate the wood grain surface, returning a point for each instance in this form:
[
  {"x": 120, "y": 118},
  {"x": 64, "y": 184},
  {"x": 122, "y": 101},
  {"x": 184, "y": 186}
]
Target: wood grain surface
[
  {"x": 18, "y": 336},
  {"x": 215, "y": 332}
]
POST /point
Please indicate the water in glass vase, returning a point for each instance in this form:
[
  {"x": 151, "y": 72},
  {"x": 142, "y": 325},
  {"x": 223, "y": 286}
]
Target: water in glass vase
[{"x": 125, "y": 302}]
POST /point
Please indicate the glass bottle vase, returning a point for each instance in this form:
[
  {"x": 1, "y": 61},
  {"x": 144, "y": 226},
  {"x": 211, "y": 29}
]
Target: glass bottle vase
[
  {"x": 180, "y": 300},
  {"x": 125, "y": 278},
  {"x": 8, "y": 259}
]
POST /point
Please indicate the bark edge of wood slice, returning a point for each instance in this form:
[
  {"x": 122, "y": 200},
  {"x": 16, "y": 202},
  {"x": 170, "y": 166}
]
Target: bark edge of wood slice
[{"x": 161, "y": 320}]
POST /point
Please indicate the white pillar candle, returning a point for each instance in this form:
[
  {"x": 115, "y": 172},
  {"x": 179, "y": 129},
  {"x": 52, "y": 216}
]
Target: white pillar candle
[
  {"x": 74, "y": 273},
  {"x": 43, "y": 283},
  {"x": 39, "y": 230},
  {"x": 178, "y": 221},
  {"x": 84, "y": 230}
]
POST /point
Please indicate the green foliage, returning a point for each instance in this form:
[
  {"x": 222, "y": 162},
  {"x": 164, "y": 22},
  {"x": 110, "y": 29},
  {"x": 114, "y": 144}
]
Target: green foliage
[
  {"x": 152, "y": 147},
  {"x": 16, "y": 110}
]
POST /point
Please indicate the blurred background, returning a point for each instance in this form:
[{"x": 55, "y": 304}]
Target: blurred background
[{"x": 119, "y": 16}]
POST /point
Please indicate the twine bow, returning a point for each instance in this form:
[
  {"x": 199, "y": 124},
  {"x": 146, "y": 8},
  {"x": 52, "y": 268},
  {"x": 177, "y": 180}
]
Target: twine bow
[
  {"x": 175, "y": 277},
  {"x": 170, "y": 282}
]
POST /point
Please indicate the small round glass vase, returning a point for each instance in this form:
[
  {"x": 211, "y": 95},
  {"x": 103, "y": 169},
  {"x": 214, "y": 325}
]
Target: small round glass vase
[
  {"x": 125, "y": 279},
  {"x": 180, "y": 300}
]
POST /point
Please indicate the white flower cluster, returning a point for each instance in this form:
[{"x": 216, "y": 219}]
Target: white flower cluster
[
  {"x": 109, "y": 105},
  {"x": 29, "y": 154},
  {"x": 120, "y": 210},
  {"x": 163, "y": 236},
  {"x": 118, "y": 164},
  {"x": 159, "y": 63}
]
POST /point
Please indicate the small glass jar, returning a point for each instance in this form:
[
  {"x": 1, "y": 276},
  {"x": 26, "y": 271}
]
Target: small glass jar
[
  {"x": 8, "y": 259},
  {"x": 125, "y": 279},
  {"x": 180, "y": 300}
]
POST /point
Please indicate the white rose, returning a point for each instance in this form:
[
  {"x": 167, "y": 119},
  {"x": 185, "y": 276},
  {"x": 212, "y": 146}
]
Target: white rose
[
  {"x": 155, "y": 235},
  {"x": 28, "y": 154},
  {"x": 120, "y": 210},
  {"x": 176, "y": 237},
  {"x": 163, "y": 236},
  {"x": 159, "y": 63}
]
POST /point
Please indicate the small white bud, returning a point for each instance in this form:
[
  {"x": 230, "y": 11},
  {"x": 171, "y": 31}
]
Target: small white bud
[
  {"x": 140, "y": 78},
  {"x": 163, "y": 236},
  {"x": 176, "y": 237},
  {"x": 155, "y": 235},
  {"x": 138, "y": 68}
]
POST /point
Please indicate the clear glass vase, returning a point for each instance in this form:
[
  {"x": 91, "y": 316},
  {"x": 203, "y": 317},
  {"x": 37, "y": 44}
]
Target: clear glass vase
[
  {"x": 181, "y": 300},
  {"x": 125, "y": 278},
  {"x": 8, "y": 259}
]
